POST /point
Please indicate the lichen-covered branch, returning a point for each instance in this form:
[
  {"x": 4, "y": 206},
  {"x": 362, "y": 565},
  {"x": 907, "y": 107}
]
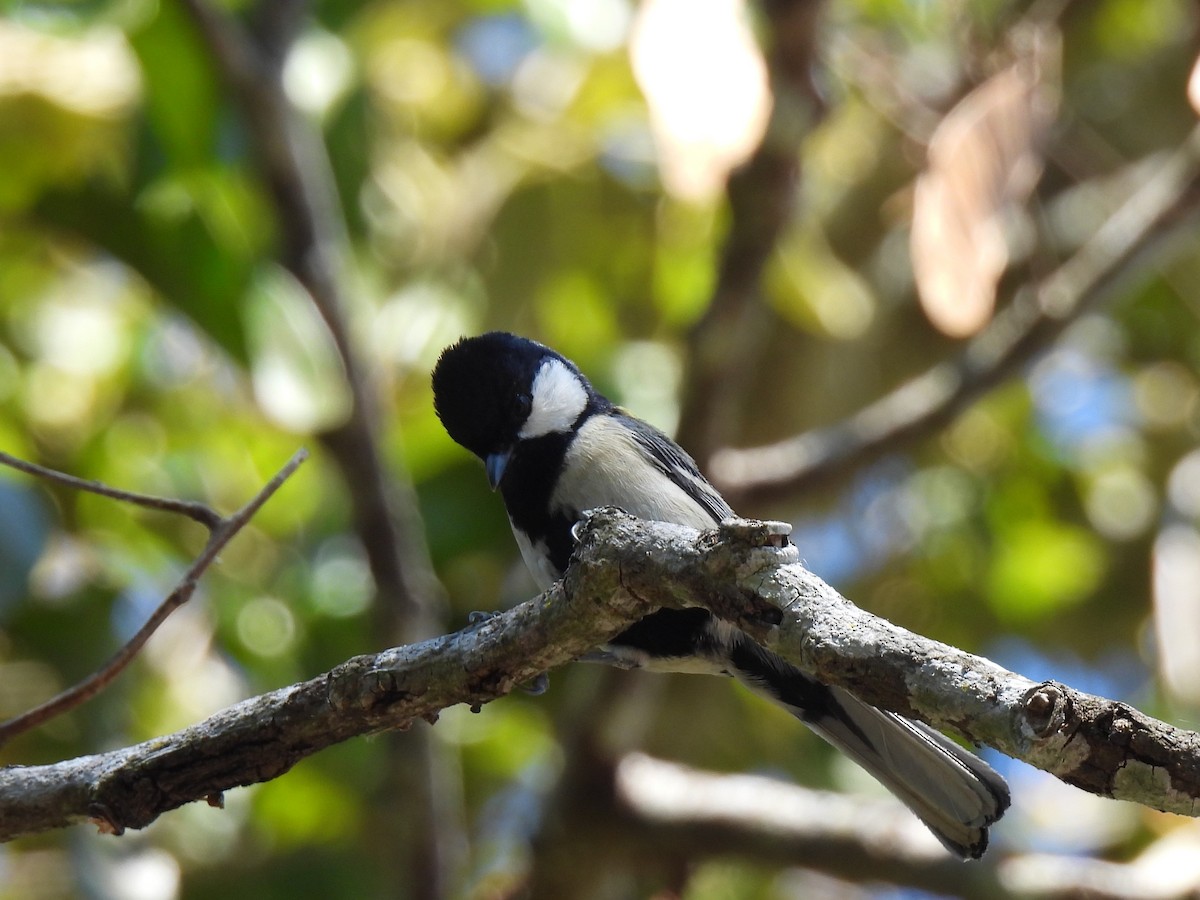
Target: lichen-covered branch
[
  {"x": 261, "y": 738},
  {"x": 1103, "y": 746},
  {"x": 623, "y": 569}
]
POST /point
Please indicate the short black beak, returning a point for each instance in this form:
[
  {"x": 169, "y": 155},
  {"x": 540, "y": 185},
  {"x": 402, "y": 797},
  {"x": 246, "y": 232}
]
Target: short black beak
[{"x": 496, "y": 463}]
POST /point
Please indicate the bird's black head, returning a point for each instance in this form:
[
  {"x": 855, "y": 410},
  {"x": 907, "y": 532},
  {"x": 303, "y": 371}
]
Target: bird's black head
[{"x": 495, "y": 390}]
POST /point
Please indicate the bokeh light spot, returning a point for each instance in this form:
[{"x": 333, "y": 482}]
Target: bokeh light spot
[{"x": 266, "y": 626}]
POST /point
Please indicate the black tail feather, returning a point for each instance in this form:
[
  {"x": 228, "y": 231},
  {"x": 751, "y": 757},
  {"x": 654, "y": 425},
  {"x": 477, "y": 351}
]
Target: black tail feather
[{"x": 956, "y": 794}]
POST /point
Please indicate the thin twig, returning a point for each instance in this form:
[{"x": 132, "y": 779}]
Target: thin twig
[
  {"x": 205, "y": 515},
  {"x": 222, "y": 531}
]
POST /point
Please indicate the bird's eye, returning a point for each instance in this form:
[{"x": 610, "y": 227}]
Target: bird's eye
[{"x": 521, "y": 405}]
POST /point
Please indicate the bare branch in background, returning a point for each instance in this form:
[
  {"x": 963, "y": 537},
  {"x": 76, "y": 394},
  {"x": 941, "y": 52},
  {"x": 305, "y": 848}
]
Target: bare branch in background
[
  {"x": 623, "y": 569},
  {"x": 221, "y": 531},
  {"x": 1164, "y": 207},
  {"x": 298, "y": 173},
  {"x": 681, "y": 815},
  {"x": 653, "y": 813},
  {"x": 761, "y": 196}
]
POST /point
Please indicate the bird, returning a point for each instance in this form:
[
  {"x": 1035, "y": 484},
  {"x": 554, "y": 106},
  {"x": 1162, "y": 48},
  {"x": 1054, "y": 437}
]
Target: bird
[{"x": 555, "y": 447}]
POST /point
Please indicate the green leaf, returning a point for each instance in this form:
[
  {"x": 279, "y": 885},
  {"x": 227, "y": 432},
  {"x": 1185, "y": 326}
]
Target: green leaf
[
  {"x": 1042, "y": 567},
  {"x": 177, "y": 255},
  {"x": 182, "y": 90}
]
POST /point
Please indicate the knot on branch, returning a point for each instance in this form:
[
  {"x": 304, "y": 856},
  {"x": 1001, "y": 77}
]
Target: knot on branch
[
  {"x": 750, "y": 550},
  {"x": 1046, "y": 708},
  {"x": 104, "y": 819},
  {"x": 752, "y": 533}
]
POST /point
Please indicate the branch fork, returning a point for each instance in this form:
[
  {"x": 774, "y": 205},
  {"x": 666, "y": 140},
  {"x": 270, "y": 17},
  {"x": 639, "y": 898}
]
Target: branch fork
[{"x": 221, "y": 530}]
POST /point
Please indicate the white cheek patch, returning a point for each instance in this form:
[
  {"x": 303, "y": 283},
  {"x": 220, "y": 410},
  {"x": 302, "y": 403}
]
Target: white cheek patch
[{"x": 558, "y": 399}]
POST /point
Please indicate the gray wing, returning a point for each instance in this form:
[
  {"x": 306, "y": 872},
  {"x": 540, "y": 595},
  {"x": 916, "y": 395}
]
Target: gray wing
[{"x": 674, "y": 462}]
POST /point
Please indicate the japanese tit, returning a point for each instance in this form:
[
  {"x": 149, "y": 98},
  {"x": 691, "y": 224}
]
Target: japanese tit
[{"x": 554, "y": 447}]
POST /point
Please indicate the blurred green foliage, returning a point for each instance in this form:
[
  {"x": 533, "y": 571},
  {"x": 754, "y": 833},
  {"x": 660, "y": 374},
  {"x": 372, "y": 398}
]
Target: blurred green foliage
[{"x": 495, "y": 166}]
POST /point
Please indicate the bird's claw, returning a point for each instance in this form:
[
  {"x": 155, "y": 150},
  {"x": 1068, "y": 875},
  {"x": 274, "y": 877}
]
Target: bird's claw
[{"x": 538, "y": 686}]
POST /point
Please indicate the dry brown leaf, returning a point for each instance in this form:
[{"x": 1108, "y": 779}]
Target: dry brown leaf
[{"x": 983, "y": 163}]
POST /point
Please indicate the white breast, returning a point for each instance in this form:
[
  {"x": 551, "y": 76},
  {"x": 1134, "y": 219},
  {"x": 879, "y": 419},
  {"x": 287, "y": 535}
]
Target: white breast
[{"x": 621, "y": 475}]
